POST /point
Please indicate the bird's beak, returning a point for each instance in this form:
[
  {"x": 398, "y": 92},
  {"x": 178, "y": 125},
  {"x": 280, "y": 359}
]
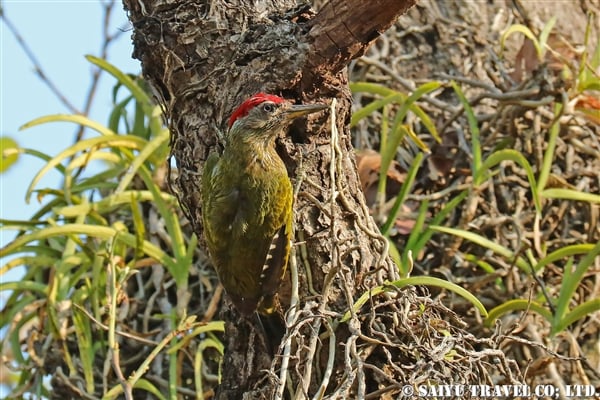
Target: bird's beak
[{"x": 299, "y": 110}]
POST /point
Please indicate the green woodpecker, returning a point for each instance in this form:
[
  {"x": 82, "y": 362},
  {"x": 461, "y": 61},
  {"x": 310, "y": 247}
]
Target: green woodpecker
[{"x": 247, "y": 203}]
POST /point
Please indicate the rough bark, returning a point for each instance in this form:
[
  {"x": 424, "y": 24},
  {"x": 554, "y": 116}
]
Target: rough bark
[{"x": 202, "y": 58}]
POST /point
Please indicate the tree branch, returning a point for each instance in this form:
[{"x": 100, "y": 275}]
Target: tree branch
[{"x": 344, "y": 30}]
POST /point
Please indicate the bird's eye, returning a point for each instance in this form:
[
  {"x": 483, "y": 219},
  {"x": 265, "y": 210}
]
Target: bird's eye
[{"x": 268, "y": 107}]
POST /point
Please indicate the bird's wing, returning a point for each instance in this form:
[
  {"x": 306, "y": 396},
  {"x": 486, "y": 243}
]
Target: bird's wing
[
  {"x": 273, "y": 268},
  {"x": 279, "y": 246},
  {"x": 220, "y": 202}
]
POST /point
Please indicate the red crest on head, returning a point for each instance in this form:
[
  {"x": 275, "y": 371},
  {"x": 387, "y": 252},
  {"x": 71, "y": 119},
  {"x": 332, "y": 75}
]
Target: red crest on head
[{"x": 252, "y": 102}]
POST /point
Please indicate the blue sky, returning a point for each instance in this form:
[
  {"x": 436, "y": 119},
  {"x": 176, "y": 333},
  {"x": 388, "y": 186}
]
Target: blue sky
[{"x": 60, "y": 34}]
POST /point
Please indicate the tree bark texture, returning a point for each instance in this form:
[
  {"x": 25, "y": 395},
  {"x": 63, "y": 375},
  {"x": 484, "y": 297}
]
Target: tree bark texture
[{"x": 202, "y": 58}]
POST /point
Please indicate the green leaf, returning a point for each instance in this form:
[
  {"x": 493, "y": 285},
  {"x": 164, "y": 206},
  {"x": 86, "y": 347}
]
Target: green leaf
[
  {"x": 81, "y": 160},
  {"x": 119, "y": 110},
  {"x": 199, "y": 329},
  {"x": 17, "y": 325},
  {"x": 517, "y": 305},
  {"x": 96, "y": 143},
  {"x": 395, "y": 255},
  {"x": 564, "y": 252},
  {"x": 404, "y": 190},
  {"x": 415, "y": 281},
  {"x": 137, "y": 92},
  {"x": 375, "y": 105},
  {"x": 426, "y": 121},
  {"x": 416, "y": 139},
  {"x": 29, "y": 261},
  {"x": 549, "y": 153},
  {"x": 546, "y": 33},
  {"x": 570, "y": 283},
  {"x": 180, "y": 267},
  {"x": 420, "y": 239},
  {"x": 24, "y": 286},
  {"x": 149, "y": 109},
  {"x": 484, "y": 265},
  {"x": 100, "y": 232},
  {"x": 388, "y": 153},
  {"x": 76, "y": 119},
  {"x": 518, "y": 28},
  {"x": 20, "y": 305},
  {"x": 580, "y": 311},
  {"x": 83, "y": 331},
  {"x": 568, "y": 194},
  {"x": 391, "y": 96},
  {"x": 372, "y": 88},
  {"x": 111, "y": 203},
  {"x": 416, "y": 95},
  {"x": 474, "y": 127},
  {"x": 10, "y": 153},
  {"x": 144, "y": 384},
  {"x": 412, "y": 244},
  {"x": 209, "y": 343},
  {"x": 149, "y": 149},
  {"x": 487, "y": 243},
  {"x": 511, "y": 155}
]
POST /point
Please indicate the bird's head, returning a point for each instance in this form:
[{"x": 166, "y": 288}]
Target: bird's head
[{"x": 265, "y": 115}]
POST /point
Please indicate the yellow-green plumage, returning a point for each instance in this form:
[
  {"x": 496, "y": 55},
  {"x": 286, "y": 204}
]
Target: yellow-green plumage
[{"x": 247, "y": 204}]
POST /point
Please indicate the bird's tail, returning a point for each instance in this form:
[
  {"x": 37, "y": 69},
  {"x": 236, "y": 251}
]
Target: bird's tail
[{"x": 273, "y": 324}]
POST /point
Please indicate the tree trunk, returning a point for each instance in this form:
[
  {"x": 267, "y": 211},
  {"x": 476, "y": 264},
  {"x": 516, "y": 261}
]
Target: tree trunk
[{"x": 202, "y": 58}]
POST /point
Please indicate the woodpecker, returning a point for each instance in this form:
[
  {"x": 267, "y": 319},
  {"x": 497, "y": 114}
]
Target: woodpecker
[{"x": 247, "y": 203}]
